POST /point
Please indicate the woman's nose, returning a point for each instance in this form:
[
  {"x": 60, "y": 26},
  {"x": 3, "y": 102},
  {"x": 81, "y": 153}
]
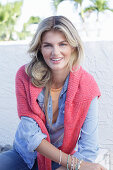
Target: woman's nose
[{"x": 55, "y": 51}]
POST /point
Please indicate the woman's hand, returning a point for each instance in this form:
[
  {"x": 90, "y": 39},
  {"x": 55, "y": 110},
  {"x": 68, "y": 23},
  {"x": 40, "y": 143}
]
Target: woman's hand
[
  {"x": 87, "y": 166},
  {"x": 91, "y": 166}
]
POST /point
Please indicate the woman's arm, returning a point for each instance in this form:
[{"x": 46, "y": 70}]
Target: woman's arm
[
  {"x": 27, "y": 138},
  {"x": 88, "y": 141},
  {"x": 51, "y": 152}
]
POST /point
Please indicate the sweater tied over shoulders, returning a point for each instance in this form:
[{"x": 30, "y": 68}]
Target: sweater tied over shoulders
[{"x": 82, "y": 88}]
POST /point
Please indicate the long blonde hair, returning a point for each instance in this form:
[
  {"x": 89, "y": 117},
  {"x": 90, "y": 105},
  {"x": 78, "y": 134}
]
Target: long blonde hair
[{"x": 37, "y": 69}]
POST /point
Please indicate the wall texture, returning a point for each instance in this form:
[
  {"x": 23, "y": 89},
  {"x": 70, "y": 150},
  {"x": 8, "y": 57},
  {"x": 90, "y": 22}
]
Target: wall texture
[{"x": 98, "y": 61}]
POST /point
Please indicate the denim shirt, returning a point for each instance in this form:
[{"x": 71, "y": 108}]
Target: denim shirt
[
  {"x": 56, "y": 130},
  {"x": 28, "y": 135}
]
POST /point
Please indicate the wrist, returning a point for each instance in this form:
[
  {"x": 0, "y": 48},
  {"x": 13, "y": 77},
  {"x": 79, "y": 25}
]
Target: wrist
[
  {"x": 75, "y": 163},
  {"x": 80, "y": 164}
]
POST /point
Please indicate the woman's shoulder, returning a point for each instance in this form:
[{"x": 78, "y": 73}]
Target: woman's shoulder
[
  {"x": 87, "y": 85},
  {"x": 87, "y": 78},
  {"x": 82, "y": 75}
]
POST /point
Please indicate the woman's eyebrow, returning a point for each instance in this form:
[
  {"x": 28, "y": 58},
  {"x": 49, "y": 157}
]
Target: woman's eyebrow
[
  {"x": 51, "y": 43},
  {"x": 46, "y": 43},
  {"x": 63, "y": 41}
]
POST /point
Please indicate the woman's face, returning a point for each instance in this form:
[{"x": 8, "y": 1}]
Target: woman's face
[{"x": 56, "y": 50}]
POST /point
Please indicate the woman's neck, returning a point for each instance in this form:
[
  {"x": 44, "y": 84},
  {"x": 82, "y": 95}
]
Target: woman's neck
[{"x": 59, "y": 78}]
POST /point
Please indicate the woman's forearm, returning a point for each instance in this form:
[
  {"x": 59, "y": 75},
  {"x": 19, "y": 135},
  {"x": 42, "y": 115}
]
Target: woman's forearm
[{"x": 50, "y": 151}]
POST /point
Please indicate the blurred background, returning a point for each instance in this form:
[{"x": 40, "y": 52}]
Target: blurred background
[
  {"x": 94, "y": 21},
  {"x": 92, "y": 18}
]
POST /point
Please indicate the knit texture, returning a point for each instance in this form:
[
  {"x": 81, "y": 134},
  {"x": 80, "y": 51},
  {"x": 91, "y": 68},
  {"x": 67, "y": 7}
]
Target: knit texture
[{"x": 82, "y": 88}]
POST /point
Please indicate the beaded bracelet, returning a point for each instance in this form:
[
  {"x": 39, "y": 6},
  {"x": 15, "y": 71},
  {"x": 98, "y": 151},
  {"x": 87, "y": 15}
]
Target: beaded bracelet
[
  {"x": 72, "y": 163},
  {"x": 76, "y": 164},
  {"x": 68, "y": 161}
]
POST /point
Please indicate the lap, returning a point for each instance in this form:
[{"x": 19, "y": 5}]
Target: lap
[{"x": 11, "y": 160}]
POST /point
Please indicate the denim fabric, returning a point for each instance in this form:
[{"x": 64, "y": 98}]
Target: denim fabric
[
  {"x": 11, "y": 160},
  {"x": 56, "y": 130}
]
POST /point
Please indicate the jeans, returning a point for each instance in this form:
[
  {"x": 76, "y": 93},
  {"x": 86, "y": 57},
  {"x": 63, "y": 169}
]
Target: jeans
[{"x": 11, "y": 160}]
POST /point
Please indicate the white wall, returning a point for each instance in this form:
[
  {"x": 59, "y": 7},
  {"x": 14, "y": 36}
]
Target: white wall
[
  {"x": 98, "y": 61},
  {"x": 12, "y": 56}
]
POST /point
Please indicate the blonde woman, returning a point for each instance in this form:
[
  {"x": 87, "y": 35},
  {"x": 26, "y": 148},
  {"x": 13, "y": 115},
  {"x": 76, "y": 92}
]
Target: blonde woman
[{"x": 57, "y": 102}]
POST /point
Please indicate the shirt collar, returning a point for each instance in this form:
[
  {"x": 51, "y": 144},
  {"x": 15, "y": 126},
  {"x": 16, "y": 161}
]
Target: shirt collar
[{"x": 64, "y": 89}]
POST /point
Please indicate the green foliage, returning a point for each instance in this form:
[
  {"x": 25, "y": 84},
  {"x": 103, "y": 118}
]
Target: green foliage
[
  {"x": 25, "y": 31},
  {"x": 23, "y": 34},
  {"x": 9, "y": 14},
  {"x": 33, "y": 20},
  {"x": 98, "y": 6},
  {"x": 56, "y": 3},
  {"x": 78, "y": 1}
]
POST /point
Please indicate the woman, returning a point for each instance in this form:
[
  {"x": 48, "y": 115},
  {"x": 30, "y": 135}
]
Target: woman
[{"x": 57, "y": 104}]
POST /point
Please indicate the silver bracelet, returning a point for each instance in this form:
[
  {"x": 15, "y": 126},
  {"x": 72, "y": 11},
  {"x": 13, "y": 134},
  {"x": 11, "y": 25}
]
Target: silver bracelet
[
  {"x": 60, "y": 157},
  {"x": 79, "y": 164},
  {"x": 76, "y": 164},
  {"x": 72, "y": 163}
]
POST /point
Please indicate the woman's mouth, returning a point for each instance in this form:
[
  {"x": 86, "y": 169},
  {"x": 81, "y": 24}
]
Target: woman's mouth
[{"x": 56, "y": 60}]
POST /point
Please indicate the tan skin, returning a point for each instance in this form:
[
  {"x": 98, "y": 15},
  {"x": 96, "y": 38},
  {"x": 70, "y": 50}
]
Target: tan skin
[{"x": 57, "y": 52}]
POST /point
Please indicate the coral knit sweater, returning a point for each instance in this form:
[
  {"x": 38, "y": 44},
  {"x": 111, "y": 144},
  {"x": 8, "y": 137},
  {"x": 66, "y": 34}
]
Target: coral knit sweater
[{"x": 82, "y": 88}]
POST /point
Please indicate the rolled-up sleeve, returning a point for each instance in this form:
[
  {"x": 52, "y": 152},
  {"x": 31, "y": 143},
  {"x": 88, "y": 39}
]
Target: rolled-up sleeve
[
  {"x": 87, "y": 147},
  {"x": 27, "y": 138},
  {"x": 31, "y": 133}
]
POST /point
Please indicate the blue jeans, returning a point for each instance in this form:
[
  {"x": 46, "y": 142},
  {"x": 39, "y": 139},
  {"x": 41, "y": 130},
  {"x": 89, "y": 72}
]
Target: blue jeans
[{"x": 11, "y": 160}]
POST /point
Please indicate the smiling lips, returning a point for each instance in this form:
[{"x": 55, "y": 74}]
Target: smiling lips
[{"x": 56, "y": 60}]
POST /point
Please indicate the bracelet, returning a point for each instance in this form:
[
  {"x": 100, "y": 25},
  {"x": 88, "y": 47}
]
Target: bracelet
[
  {"x": 60, "y": 157},
  {"x": 68, "y": 161},
  {"x": 79, "y": 164},
  {"x": 76, "y": 164},
  {"x": 72, "y": 163}
]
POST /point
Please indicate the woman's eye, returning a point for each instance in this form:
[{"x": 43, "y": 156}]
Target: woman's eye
[
  {"x": 63, "y": 44},
  {"x": 47, "y": 45}
]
